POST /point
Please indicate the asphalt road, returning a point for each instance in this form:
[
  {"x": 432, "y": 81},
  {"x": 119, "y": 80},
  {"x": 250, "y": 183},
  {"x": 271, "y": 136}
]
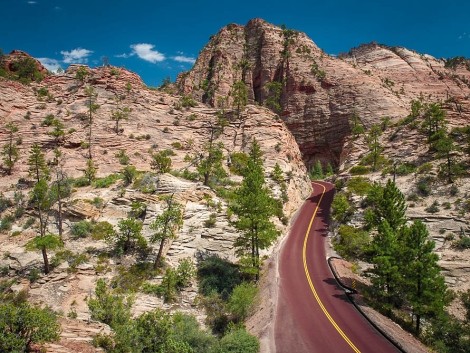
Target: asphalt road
[{"x": 313, "y": 313}]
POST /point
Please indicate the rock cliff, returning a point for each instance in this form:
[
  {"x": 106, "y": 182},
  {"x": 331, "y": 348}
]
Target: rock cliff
[{"x": 319, "y": 92}]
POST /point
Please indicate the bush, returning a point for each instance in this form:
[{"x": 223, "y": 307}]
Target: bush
[
  {"x": 6, "y": 223},
  {"x": 351, "y": 242},
  {"x": 424, "y": 168},
  {"x": 81, "y": 229},
  {"x": 359, "y": 170},
  {"x": 24, "y": 325},
  {"x": 341, "y": 208},
  {"x": 217, "y": 275},
  {"x": 238, "y": 162},
  {"x": 107, "y": 181},
  {"x": 210, "y": 222},
  {"x": 463, "y": 243},
  {"x": 238, "y": 341},
  {"x": 405, "y": 168},
  {"x": 424, "y": 185},
  {"x": 433, "y": 208},
  {"x": 241, "y": 301},
  {"x": 108, "y": 307},
  {"x": 359, "y": 185},
  {"x": 128, "y": 174}
]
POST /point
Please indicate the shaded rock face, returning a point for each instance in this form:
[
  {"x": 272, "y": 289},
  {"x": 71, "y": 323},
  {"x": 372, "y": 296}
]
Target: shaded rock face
[
  {"x": 320, "y": 92},
  {"x": 8, "y": 61}
]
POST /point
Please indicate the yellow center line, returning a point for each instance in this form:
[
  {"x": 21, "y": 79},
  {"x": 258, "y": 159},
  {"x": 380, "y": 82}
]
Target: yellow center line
[{"x": 307, "y": 274}]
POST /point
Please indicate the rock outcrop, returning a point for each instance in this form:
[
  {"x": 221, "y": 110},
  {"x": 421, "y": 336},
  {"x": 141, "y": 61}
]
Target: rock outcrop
[{"x": 320, "y": 92}]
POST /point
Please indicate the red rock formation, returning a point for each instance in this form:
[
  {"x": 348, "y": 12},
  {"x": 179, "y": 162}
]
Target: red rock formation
[{"x": 321, "y": 92}]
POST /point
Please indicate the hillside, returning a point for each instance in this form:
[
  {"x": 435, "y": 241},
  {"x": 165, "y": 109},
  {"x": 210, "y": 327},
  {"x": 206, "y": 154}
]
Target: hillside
[{"x": 307, "y": 109}]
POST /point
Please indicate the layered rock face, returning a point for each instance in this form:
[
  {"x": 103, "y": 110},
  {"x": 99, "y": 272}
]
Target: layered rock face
[{"x": 320, "y": 93}]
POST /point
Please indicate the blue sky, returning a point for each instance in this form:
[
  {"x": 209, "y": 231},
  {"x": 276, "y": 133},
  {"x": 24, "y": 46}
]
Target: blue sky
[{"x": 158, "y": 38}]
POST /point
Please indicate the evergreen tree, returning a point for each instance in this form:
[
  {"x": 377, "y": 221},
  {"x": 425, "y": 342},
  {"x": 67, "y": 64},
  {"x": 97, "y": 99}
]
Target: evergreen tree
[
  {"x": 161, "y": 162},
  {"x": 422, "y": 282},
  {"x": 374, "y": 145},
  {"x": 388, "y": 204},
  {"x": 385, "y": 258},
  {"x": 240, "y": 96},
  {"x": 444, "y": 146},
  {"x": 120, "y": 113},
  {"x": 37, "y": 163},
  {"x": 61, "y": 188},
  {"x": 92, "y": 108},
  {"x": 254, "y": 206},
  {"x": 57, "y": 131},
  {"x": 10, "y": 149},
  {"x": 434, "y": 120},
  {"x": 165, "y": 225},
  {"x": 356, "y": 126},
  {"x": 90, "y": 171},
  {"x": 130, "y": 235}
]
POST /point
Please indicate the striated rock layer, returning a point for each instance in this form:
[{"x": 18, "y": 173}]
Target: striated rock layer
[{"x": 321, "y": 92}]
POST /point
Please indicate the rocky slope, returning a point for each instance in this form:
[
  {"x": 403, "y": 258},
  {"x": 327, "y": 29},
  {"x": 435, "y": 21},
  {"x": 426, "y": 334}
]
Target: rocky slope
[
  {"x": 320, "y": 93},
  {"x": 157, "y": 121}
]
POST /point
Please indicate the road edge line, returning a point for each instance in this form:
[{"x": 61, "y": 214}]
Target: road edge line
[{"x": 349, "y": 292}]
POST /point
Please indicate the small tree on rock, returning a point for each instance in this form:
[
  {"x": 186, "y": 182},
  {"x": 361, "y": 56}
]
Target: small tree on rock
[
  {"x": 10, "y": 149},
  {"x": 165, "y": 225}
]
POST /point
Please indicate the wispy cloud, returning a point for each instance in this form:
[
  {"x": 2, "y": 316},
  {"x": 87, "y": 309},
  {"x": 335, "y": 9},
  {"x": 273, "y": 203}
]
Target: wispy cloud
[
  {"x": 184, "y": 59},
  {"x": 50, "y": 64},
  {"x": 124, "y": 55},
  {"x": 76, "y": 56},
  {"x": 464, "y": 35},
  {"x": 146, "y": 52},
  {"x": 32, "y": 2}
]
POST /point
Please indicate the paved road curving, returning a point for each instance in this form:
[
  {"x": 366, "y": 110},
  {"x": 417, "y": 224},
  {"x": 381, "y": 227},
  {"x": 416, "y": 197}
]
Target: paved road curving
[{"x": 313, "y": 313}]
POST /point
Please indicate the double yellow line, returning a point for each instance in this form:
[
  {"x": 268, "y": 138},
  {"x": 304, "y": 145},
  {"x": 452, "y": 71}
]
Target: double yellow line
[{"x": 307, "y": 274}]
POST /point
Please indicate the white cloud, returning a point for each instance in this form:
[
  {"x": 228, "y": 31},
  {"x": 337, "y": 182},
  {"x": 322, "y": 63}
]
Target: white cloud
[
  {"x": 50, "y": 64},
  {"x": 184, "y": 59},
  {"x": 124, "y": 55},
  {"x": 76, "y": 56},
  {"x": 146, "y": 52},
  {"x": 32, "y": 2}
]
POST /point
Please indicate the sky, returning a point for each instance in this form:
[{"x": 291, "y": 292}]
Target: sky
[{"x": 159, "y": 39}]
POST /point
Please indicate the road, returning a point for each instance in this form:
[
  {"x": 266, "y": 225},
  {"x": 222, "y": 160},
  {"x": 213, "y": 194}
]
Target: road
[{"x": 313, "y": 313}]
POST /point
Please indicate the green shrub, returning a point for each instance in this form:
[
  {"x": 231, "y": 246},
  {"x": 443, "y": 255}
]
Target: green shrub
[
  {"x": 238, "y": 162},
  {"x": 6, "y": 222},
  {"x": 424, "y": 185},
  {"x": 424, "y": 168},
  {"x": 463, "y": 243},
  {"x": 217, "y": 275},
  {"x": 359, "y": 185},
  {"x": 433, "y": 208},
  {"x": 122, "y": 157},
  {"x": 238, "y": 341},
  {"x": 341, "y": 208},
  {"x": 81, "y": 229},
  {"x": 210, "y": 222},
  {"x": 48, "y": 120},
  {"x": 351, "y": 242},
  {"x": 130, "y": 279},
  {"x": 4, "y": 203},
  {"x": 359, "y": 170},
  {"x": 242, "y": 300},
  {"x": 405, "y": 168},
  {"x": 107, "y": 181}
]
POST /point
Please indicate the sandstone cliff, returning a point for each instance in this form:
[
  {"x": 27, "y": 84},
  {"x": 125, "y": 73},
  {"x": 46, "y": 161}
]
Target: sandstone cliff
[
  {"x": 321, "y": 92},
  {"x": 157, "y": 121}
]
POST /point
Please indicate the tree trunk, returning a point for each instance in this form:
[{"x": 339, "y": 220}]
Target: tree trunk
[
  {"x": 159, "y": 255},
  {"x": 418, "y": 322},
  {"x": 449, "y": 169},
  {"x": 46, "y": 260}
]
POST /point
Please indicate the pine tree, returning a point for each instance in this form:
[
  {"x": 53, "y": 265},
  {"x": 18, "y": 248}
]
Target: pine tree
[
  {"x": 388, "y": 204},
  {"x": 165, "y": 225},
  {"x": 434, "y": 120},
  {"x": 444, "y": 146},
  {"x": 374, "y": 145},
  {"x": 130, "y": 235},
  {"x": 161, "y": 162},
  {"x": 385, "y": 258},
  {"x": 37, "y": 163},
  {"x": 422, "y": 282},
  {"x": 240, "y": 96},
  {"x": 120, "y": 113},
  {"x": 92, "y": 108},
  {"x": 254, "y": 206},
  {"x": 10, "y": 149},
  {"x": 57, "y": 131}
]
